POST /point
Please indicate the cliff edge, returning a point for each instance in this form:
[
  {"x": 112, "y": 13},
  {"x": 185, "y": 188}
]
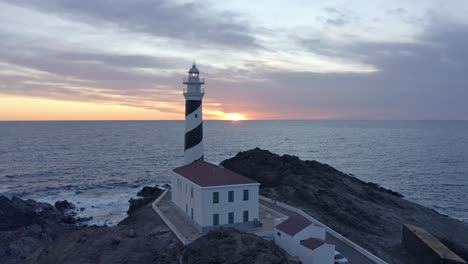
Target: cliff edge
[{"x": 369, "y": 215}]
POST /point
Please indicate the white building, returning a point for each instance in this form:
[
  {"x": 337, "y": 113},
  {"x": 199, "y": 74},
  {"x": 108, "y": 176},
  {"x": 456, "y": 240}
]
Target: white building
[
  {"x": 212, "y": 196},
  {"x": 316, "y": 251},
  {"x": 301, "y": 238}
]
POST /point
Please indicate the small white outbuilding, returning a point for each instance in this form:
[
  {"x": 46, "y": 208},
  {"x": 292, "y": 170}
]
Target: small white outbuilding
[
  {"x": 316, "y": 251},
  {"x": 301, "y": 238},
  {"x": 211, "y": 196}
]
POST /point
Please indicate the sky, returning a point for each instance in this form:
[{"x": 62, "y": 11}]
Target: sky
[{"x": 263, "y": 59}]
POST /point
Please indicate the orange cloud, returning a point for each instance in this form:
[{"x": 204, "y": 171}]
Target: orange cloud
[{"x": 26, "y": 108}]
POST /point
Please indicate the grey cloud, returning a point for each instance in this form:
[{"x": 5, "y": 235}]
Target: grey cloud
[
  {"x": 423, "y": 80},
  {"x": 337, "y": 22},
  {"x": 339, "y": 17},
  {"x": 396, "y": 11},
  {"x": 187, "y": 22},
  {"x": 89, "y": 77}
]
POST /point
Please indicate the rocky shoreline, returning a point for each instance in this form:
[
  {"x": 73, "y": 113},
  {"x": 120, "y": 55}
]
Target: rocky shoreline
[
  {"x": 366, "y": 213},
  {"x": 34, "y": 232}
]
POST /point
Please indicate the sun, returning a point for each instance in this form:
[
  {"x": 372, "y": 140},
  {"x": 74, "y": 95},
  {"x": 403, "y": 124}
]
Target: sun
[{"x": 234, "y": 117}]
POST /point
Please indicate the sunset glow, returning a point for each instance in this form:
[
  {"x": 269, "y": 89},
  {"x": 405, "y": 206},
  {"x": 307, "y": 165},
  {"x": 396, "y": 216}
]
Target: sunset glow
[
  {"x": 235, "y": 117},
  {"x": 332, "y": 60}
]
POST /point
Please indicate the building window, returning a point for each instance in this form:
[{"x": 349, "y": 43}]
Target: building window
[
  {"x": 191, "y": 192},
  {"x": 246, "y": 195},
  {"x": 191, "y": 212},
  {"x": 186, "y": 208},
  {"x": 246, "y": 216},
  {"x": 215, "y": 219},
  {"x": 215, "y": 197},
  {"x": 196, "y": 115},
  {"x": 185, "y": 188},
  {"x": 278, "y": 233},
  {"x": 231, "y": 196},
  {"x": 231, "y": 218}
]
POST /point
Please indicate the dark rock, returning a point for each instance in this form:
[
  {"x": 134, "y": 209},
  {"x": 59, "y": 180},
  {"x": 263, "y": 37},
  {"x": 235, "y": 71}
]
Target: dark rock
[
  {"x": 137, "y": 203},
  {"x": 33, "y": 232},
  {"x": 231, "y": 246},
  {"x": 69, "y": 220},
  {"x": 367, "y": 213},
  {"x": 131, "y": 233},
  {"x": 149, "y": 192},
  {"x": 17, "y": 213},
  {"x": 115, "y": 242},
  {"x": 84, "y": 219},
  {"x": 64, "y": 206}
]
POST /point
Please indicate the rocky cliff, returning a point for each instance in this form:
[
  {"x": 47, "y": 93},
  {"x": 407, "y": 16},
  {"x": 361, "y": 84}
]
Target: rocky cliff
[
  {"x": 364, "y": 212},
  {"x": 33, "y": 232}
]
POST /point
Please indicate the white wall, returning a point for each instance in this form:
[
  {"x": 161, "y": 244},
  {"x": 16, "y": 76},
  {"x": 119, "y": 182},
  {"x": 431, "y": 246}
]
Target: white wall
[
  {"x": 181, "y": 197},
  {"x": 224, "y": 207},
  {"x": 202, "y": 201},
  {"x": 291, "y": 244},
  {"x": 324, "y": 254},
  {"x": 285, "y": 242}
]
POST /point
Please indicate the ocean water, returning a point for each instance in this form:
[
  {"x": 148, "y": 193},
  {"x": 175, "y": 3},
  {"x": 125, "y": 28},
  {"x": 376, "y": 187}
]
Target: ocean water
[{"x": 100, "y": 165}]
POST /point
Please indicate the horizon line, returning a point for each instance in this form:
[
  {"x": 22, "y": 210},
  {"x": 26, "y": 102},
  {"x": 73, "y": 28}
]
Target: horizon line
[{"x": 234, "y": 121}]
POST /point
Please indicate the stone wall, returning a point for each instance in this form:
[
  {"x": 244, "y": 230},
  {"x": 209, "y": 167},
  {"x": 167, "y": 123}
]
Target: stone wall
[{"x": 426, "y": 248}]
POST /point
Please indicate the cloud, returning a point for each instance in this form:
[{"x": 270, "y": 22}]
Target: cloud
[
  {"x": 420, "y": 80},
  {"x": 397, "y": 11},
  {"x": 112, "y": 60},
  {"x": 339, "y": 17},
  {"x": 193, "y": 22}
]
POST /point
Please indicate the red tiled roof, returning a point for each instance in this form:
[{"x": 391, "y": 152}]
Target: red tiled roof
[
  {"x": 312, "y": 243},
  {"x": 206, "y": 174},
  {"x": 293, "y": 225}
]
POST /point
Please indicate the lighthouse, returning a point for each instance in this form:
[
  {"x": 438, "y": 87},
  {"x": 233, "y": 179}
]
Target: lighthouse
[{"x": 193, "y": 93}]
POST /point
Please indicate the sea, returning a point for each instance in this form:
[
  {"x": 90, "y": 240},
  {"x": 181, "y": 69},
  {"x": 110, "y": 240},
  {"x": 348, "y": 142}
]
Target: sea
[{"x": 100, "y": 165}]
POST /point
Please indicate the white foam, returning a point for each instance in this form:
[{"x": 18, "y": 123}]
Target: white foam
[{"x": 106, "y": 207}]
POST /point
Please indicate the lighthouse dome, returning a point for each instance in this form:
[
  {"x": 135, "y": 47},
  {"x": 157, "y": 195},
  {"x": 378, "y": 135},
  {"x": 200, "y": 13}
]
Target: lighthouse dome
[{"x": 194, "y": 69}]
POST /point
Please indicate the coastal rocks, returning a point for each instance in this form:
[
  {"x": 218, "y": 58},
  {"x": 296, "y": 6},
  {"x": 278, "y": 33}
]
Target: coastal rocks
[
  {"x": 142, "y": 238},
  {"x": 15, "y": 213},
  {"x": 64, "y": 206},
  {"x": 366, "y": 213},
  {"x": 28, "y": 227},
  {"x": 232, "y": 246},
  {"x": 131, "y": 233},
  {"x": 148, "y": 191},
  {"x": 148, "y": 194}
]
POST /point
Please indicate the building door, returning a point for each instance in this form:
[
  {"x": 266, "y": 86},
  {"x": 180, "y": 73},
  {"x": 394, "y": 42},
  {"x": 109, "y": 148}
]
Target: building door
[
  {"x": 231, "y": 218},
  {"x": 246, "y": 216},
  {"x": 215, "y": 219}
]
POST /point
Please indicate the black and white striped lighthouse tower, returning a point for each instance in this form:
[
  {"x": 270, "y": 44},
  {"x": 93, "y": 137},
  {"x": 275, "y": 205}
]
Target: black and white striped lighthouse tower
[{"x": 193, "y": 93}]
